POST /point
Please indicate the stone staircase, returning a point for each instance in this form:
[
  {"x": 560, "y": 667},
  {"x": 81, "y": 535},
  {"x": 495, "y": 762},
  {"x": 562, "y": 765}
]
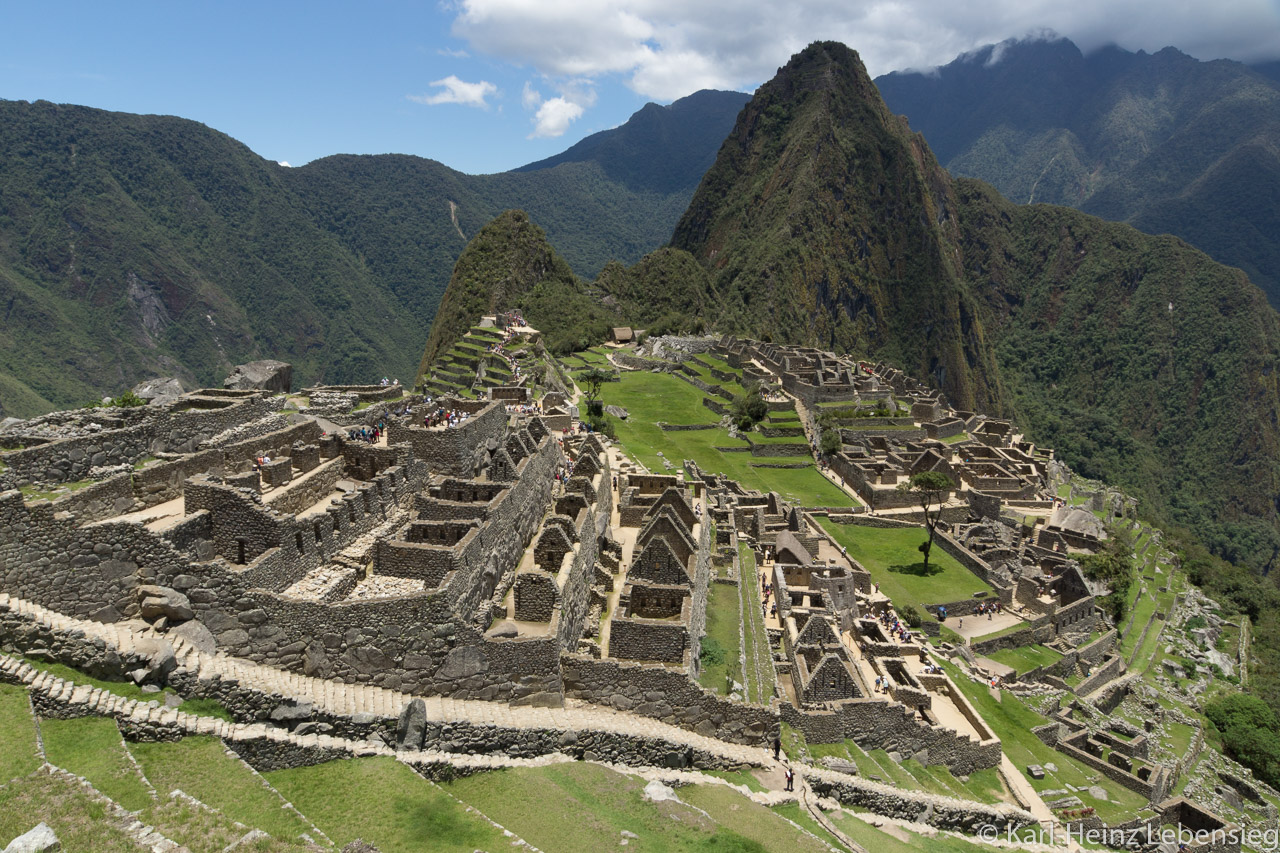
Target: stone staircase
[{"x": 334, "y": 698}]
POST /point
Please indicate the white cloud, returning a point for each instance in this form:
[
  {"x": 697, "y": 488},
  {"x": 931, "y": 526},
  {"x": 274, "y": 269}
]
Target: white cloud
[
  {"x": 455, "y": 91},
  {"x": 530, "y": 97},
  {"x": 286, "y": 164},
  {"x": 665, "y": 49},
  {"x": 455, "y": 53},
  {"x": 554, "y": 117}
]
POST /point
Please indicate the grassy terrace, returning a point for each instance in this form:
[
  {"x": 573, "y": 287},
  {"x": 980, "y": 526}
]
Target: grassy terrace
[
  {"x": 201, "y": 767},
  {"x": 91, "y": 747},
  {"x": 388, "y": 805},
  {"x": 654, "y": 397},
  {"x": 892, "y": 558},
  {"x": 17, "y": 735},
  {"x": 721, "y": 649},
  {"x": 757, "y": 654},
  {"x": 1026, "y": 658},
  {"x": 604, "y": 803}
]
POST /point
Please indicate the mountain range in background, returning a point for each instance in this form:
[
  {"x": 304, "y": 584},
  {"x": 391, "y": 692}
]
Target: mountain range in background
[
  {"x": 1162, "y": 141},
  {"x": 133, "y": 246}
]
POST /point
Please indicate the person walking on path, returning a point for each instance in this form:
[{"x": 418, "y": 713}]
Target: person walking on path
[
  {"x": 777, "y": 747},
  {"x": 791, "y": 779}
]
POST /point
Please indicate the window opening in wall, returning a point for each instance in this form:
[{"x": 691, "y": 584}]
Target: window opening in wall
[
  {"x": 241, "y": 547},
  {"x": 298, "y": 538},
  {"x": 317, "y": 529}
]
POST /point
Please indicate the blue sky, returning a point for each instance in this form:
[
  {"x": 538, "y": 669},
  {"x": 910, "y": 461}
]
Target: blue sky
[{"x": 486, "y": 85}]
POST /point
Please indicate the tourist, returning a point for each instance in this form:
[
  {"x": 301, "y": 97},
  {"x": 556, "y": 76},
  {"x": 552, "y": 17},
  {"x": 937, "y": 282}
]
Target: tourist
[
  {"x": 777, "y": 747},
  {"x": 791, "y": 778}
]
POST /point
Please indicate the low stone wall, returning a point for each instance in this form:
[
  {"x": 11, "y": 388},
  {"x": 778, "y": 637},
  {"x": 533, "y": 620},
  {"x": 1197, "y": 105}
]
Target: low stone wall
[
  {"x": 666, "y": 695},
  {"x": 769, "y": 449},
  {"x": 937, "y": 811},
  {"x": 1109, "y": 670}
]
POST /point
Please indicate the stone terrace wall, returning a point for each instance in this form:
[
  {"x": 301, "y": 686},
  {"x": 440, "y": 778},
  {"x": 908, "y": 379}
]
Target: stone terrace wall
[
  {"x": 162, "y": 430},
  {"x": 941, "y": 812},
  {"x": 452, "y": 450},
  {"x": 666, "y": 695}
]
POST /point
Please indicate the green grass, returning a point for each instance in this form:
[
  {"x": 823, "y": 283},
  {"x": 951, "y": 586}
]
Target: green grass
[
  {"x": 890, "y": 555},
  {"x": 723, "y": 619},
  {"x": 653, "y": 397},
  {"x": 18, "y": 755},
  {"x": 79, "y": 820},
  {"x": 129, "y": 690},
  {"x": 757, "y": 653},
  {"x": 201, "y": 767},
  {"x": 801, "y": 817},
  {"x": 1006, "y": 630},
  {"x": 879, "y": 841},
  {"x": 91, "y": 747},
  {"x": 388, "y": 805},
  {"x": 764, "y": 828},
  {"x": 595, "y": 804}
]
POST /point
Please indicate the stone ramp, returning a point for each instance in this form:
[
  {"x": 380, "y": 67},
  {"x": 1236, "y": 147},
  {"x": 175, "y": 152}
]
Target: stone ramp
[{"x": 337, "y": 698}]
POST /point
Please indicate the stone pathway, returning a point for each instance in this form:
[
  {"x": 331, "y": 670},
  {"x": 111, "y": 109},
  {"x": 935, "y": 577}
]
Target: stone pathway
[{"x": 342, "y": 699}]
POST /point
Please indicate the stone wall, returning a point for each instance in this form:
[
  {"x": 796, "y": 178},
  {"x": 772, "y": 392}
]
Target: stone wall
[
  {"x": 666, "y": 695},
  {"x": 941, "y": 812},
  {"x": 452, "y": 450}
]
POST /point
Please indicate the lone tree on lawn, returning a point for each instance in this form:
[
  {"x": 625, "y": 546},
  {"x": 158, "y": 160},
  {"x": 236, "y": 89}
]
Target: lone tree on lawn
[
  {"x": 595, "y": 377},
  {"x": 929, "y": 488}
]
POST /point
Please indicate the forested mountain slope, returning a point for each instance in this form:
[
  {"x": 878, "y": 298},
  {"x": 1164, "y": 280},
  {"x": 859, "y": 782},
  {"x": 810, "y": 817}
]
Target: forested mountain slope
[{"x": 1162, "y": 141}]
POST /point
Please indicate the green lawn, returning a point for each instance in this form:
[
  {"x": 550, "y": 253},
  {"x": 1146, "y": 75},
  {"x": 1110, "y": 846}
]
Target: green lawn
[
  {"x": 880, "y": 841},
  {"x": 91, "y": 747},
  {"x": 201, "y": 767},
  {"x": 18, "y": 755},
  {"x": 892, "y": 558},
  {"x": 1026, "y": 658},
  {"x": 594, "y": 805},
  {"x": 723, "y": 619},
  {"x": 653, "y": 397},
  {"x": 388, "y": 805},
  {"x": 757, "y": 653},
  {"x": 77, "y": 818}
]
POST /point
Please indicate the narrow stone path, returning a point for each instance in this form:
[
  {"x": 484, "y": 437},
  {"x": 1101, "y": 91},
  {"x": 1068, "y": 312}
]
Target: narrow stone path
[{"x": 343, "y": 699}]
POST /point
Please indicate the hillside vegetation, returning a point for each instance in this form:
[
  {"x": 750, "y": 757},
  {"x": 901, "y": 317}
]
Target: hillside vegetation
[
  {"x": 135, "y": 246},
  {"x": 1162, "y": 141}
]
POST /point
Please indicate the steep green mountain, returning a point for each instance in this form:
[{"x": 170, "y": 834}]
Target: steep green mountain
[
  {"x": 132, "y": 246},
  {"x": 510, "y": 265},
  {"x": 1162, "y": 141},
  {"x": 825, "y": 221},
  {"x": 665, "y": 292},
  {"x": 136, "y": 245}
]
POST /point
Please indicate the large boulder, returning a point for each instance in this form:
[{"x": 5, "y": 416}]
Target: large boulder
[
  {"x": 160, "y": 601},
  {"x": 39, "y": 840},
  {"x": 155, "y": 660},
  {"x": 411, "y": 728},
  {"x": 159, "y": 391},
  {"x": 265, "y": 375}
]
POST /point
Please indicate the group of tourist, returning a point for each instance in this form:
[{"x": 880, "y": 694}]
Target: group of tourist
[
  {"x": 368, "y": 434},
  {"x": 768, "y": 608},
  {"x": 990, "y": 608},
  {"x": 533, "y": 408},
  {"x": 444, "y": 417},
  {"x": 895, "y": 626},
  {"x": 386, "y": 382}
]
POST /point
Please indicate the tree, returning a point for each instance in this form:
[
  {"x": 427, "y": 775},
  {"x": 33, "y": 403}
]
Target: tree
[
  {"x": 929, "y": 488},
  {"x": 830, "y": 441},
  {"x": 750, "y": 408},
  {"x": 595, "y": 377}
]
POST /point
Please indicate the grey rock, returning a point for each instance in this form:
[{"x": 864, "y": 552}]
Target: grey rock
[
  {"x": 313, "y": 728},
  {"x": 39, "y": 840},
  {"x": 290, "y": 713},
  {"x": 161, "y": 602},
  {"x": 196, "y": 635},
  {"x": 157, "y": 658},
  {"x": 503, "y": 629},
  {"x": 411, "y": 727},
  {"x": 160, "y": 390},
  {"x": 617, "y": 412},
  {"x": 266, "y": 375}
]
